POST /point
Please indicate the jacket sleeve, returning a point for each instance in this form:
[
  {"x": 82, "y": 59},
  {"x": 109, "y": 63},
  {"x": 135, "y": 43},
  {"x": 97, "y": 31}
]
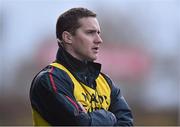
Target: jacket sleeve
[
  {"x": 52, "y": 97},
  {"x": 119, "y": 106}
]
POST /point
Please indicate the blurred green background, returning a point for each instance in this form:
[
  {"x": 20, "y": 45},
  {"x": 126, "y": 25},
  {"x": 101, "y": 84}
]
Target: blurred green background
[{"x": 140, "y": 53}]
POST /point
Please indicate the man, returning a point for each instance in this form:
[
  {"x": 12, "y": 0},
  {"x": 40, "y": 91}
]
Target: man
[{"x": 72, "y": 90}]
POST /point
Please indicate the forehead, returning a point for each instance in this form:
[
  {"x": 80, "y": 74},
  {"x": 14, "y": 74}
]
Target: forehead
[{"x": 89, "y": 23}]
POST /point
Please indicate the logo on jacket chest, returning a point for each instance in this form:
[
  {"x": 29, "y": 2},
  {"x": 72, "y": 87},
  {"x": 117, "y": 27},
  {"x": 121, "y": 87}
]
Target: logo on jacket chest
[{"x": 92, "y": 100}]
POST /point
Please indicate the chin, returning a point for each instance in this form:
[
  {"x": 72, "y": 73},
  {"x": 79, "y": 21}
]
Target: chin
[{"x": 93, "y": 59}]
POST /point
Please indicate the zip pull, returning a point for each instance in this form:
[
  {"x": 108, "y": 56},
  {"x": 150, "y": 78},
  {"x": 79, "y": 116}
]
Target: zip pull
[{"x": 85, "y": 77}]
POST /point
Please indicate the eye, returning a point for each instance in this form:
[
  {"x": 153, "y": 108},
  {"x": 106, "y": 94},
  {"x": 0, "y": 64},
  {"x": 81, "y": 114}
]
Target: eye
[
  {"x": 91, "y": 32},
  {"x": 99, "y": 32}
]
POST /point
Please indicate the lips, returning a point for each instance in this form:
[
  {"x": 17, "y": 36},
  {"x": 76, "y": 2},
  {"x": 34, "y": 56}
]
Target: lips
[{"x": 95, "y": 49}]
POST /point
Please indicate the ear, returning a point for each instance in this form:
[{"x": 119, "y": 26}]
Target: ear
[{"x": 67, "y": 37}]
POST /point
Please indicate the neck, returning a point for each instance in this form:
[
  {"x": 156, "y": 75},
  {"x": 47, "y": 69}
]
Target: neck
[
  {"x": 75, "y": 65},
  {"x": 73, "y": 54},
  {"x": 66, "y": 58}
]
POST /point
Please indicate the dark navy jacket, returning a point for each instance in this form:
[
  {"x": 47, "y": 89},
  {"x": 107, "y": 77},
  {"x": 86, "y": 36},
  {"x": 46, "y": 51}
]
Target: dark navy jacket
[{"x": 51, "y": 95}]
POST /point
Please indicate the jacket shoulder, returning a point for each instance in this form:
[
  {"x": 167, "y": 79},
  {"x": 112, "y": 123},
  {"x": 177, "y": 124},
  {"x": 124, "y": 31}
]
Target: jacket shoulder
[
  {"x": 108, "y": 79},
  {"x": 115, "y": 89},
  {"x": 50, "y": 77}
]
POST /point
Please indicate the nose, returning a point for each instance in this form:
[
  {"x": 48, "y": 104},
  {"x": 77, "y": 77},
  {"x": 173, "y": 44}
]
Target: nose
[{"x": 98, "y": 39}]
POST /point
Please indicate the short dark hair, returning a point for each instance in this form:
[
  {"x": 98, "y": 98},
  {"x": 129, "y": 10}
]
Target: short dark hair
[{"x": 68, "y": 21}]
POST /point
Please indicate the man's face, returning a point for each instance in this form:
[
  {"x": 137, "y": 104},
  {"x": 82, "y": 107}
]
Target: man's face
[{"x": 86, "y": 41}]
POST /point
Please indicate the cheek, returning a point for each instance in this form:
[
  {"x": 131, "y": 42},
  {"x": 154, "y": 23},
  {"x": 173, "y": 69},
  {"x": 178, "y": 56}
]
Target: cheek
[{"x": 83, "y": 42}]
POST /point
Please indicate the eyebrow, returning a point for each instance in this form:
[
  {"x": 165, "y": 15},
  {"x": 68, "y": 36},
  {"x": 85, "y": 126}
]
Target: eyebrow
[{"x": 93, "y": 30}]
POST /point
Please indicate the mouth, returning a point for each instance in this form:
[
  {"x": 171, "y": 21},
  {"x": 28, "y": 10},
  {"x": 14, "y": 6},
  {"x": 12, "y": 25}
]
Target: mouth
[{"x": 95, "y": 49}]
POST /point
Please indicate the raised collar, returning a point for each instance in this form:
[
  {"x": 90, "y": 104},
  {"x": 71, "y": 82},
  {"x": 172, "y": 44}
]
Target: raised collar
[{"x": 76, "y": 66}]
